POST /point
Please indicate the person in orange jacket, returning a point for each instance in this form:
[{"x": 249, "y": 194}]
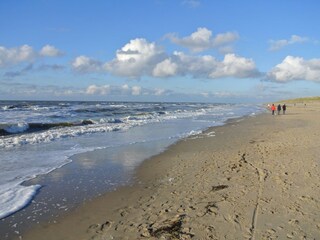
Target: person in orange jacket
[{"x": 273, "y": 108}]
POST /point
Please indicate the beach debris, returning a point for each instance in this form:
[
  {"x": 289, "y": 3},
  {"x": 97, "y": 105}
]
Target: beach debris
[
  {"x": 211, "y": 208},
  {"x": 243, "y": 158},
  {"x": 171, "y": 179},
  {"x": 145, "y": 232},
  {"x": 170, "y": 229},
  {"x": 218, "y": 188}
]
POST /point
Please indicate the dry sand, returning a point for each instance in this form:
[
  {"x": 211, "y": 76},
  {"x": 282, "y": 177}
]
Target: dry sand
[{"x": 256, "y": 178}]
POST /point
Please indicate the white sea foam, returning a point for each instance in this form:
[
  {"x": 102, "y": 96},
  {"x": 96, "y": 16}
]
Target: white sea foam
[
  {"x": 23, "y": 165},
  {"x": 103, "y": 125},
  {"x": 15, "y": 197},
  {"x": 17, "y": 128}
]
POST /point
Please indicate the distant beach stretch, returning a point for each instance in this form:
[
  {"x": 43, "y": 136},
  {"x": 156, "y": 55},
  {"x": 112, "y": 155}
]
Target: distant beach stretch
[{"x": 254, "y": 178}]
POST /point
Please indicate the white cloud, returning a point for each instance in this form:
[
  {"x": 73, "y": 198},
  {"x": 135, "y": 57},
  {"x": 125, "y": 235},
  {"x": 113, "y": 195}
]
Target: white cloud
[
  {"x": 235, "y": 66},
  {"x": 202, "y": 40},
  {"x": 223, "y": 38},
  {"x": 276, "y": 45},
  {"x": 135, "y": 59},
  {"x": 141, "y": 58},
  {"x": 50, "y": 51},
  {"x": 85, "y": 64},
  {"x": 11, "y": 56},
  {"x": 125, "y": 88},
  {"x": 98, "y": 90},
  {"x": 166, "y": 68},
  {"x": 296, "y": 68},
  {"x": 25, "y": 54},
  {"x": 196, "y": 66},
  {"x": 136, "y": 90},
  {"x": 209, "y": 67}
]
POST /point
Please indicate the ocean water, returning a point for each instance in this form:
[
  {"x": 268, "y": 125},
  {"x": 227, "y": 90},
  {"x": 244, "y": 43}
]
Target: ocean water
[{"x": 37, "y": 138}]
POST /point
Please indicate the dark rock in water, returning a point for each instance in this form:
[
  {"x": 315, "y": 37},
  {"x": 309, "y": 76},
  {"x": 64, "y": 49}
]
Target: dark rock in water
[
  {"x": 161, "y": 113},
  {"x": 3, "y": 132},
  {"x": 11, "y": 107},
  {"x": 87, "y": 122}
]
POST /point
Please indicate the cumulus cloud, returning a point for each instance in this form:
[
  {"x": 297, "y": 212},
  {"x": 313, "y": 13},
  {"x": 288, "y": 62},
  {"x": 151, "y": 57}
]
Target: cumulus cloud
[
  {"x": 235, "y": 66},
  {"x": 276, "y": 45},
  {"x": 25, "y": 54},
  {"x": 202, "y": 40},
  {"x": 50, "y": 51},
  {"x": 11, "y": 56},
  {"x": 166, "y": 68},
  {"x": 135, "y": 59},
  {"x": 209, "y": 67},
  {"x": 85, "y": 64},
  {"x": 141, "y": 58},
  {"x": 195, "y": 66},
  {"x": 296, "y": 68}
]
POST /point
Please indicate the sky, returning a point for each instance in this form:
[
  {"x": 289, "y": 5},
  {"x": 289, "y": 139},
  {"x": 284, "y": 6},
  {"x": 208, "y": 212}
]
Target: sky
[{"x": 159, "y": 50}]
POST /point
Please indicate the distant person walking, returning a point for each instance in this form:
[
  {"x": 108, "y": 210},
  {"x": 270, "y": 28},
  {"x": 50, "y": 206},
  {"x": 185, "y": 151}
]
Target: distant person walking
[
  {"x": 273, "y": 108},
  {"x": 279, "y": 109},
  {"x": 284, "y": 108}
]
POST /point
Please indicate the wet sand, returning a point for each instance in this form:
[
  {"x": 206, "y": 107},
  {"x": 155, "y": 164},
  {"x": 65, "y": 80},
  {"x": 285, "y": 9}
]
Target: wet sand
[{"x": 253, "y": 178}]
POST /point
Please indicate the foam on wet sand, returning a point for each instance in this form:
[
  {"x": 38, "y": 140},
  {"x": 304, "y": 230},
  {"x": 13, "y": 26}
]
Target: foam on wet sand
[{"x": 252, "y": 179}]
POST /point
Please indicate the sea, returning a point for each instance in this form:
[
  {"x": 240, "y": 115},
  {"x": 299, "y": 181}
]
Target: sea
[{"x": 40, "y": 142}]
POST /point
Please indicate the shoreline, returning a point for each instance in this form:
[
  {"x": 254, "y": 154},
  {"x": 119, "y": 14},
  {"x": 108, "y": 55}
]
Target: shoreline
[
  {"x": 77, "y": 182},
  {"x": 236, "y": 188},
  {"x": 99, "y": 171}
]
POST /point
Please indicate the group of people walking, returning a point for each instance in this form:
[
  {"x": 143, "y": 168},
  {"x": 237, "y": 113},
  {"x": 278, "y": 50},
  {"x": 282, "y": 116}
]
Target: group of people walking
[{"x": 279, "y": 107}]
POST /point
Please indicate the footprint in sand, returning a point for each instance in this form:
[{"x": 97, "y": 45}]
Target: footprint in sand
[{"x": 100, "y": 228}]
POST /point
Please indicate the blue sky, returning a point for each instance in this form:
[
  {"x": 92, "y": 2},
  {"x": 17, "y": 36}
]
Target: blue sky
[{"x": 159, "y": 50}]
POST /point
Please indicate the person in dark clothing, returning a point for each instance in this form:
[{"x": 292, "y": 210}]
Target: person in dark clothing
[
  {"x": 284, "y": 108},
  {"x": 279, "y": 109}
]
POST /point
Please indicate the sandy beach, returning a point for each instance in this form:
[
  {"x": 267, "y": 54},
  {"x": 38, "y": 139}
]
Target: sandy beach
[{"x": 253, "y": 178}]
